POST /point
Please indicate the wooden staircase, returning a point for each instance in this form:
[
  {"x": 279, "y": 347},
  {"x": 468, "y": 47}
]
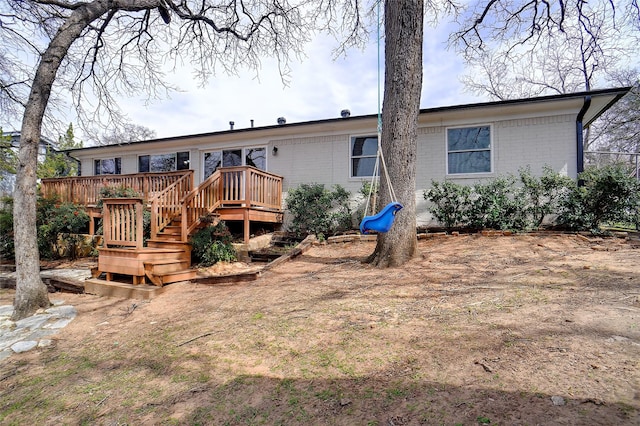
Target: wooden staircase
[
  {"x": 164, "y": 260},
  {"x": 176, "y": 213}
]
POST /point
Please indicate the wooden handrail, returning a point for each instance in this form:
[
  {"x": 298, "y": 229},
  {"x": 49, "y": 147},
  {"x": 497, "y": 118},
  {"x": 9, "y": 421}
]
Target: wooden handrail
[
  {"x": 173, "y": 194},
  {"x": 167, "y": 205},
  {"x": 85, "y": 190},
  {"x": 200, "y": 202},
  {"x": 241, "y": 186}
]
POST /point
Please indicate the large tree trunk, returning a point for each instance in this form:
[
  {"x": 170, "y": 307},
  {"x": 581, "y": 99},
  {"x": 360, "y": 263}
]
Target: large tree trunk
[
  {"x": 31, "y": 293},
  {"x": 401, "y": 105}
]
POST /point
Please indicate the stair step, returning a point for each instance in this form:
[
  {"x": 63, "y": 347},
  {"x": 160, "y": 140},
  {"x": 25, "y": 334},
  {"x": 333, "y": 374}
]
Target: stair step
[
  {"x": 171, "y": 229},
  {"x": 170, "y": 244},
  {"x": 172, "y": 277},
  {"x": 167, "y": 237},
  {"x": 165, "y": 266}
]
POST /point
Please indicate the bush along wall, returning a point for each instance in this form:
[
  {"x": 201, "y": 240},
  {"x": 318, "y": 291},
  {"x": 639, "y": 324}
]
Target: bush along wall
[
  {"x": 317, "y": 210},
  {"x": 608, "y": 196}
]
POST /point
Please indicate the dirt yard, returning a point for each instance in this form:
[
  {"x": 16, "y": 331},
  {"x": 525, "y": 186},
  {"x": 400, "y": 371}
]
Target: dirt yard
[{"x": 517, "y": 330}]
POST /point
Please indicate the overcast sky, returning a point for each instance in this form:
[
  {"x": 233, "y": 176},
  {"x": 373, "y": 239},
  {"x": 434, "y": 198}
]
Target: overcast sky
[{"x": 319, "y": 87}]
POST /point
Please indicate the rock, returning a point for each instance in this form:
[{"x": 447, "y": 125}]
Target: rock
[
  {"x": 557, "y": 400},
  {"x": 24, "y": 346},
  {"x": 60, "y": 323},
  {"x": 63, "y": 311},
  {"x": 45, "y": 343},
  {"x": 32, "y": 322},
  {"x": 6, "y": 311}
]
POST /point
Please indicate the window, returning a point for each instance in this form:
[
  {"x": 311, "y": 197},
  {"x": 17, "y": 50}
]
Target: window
[
  {"x": 107, "y": 166},
  {"x": 256, "y": 157},
  {"x": 364, "y": 151},
  {"x": 232, "y": 158},
  {"x": 163, "y": 162},
  {"x": 469, "y": 150},
  {"x": 212, "y": 161}
]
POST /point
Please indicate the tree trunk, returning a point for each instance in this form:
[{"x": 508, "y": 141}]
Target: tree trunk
[
  {"x": 31, "y": 293},
  {"x": 401, "y": 105}
]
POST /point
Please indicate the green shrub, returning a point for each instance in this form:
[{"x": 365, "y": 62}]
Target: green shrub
[
  {"x": 55, "y": 218},
  {"x": 316, "y": 210},
  {"x": 7, "y": 248},
  {"x": 544, "y": 193},
  {"x": 608, "y": 195},
  {"x": 498, "y": 204},
  {"x": 212, "y": 244},
  {"x": 450, "y": 203},
  {"x": 505, "y": 202}
]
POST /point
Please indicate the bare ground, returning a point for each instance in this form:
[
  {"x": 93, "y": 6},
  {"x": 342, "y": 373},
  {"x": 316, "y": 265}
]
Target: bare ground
[{"x": 474, "y": 330}]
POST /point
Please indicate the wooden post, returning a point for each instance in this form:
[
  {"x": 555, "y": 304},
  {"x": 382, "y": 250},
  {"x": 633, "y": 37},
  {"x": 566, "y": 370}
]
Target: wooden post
[
  {"x": 139, "y": 225},
  {"x": 247, "y": 227},
  {"x": 106, "y": 224},
  {"x": 247, "y": 174}
]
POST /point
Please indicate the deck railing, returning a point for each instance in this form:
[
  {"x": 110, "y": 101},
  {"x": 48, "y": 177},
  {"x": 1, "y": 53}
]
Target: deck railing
[
  {"x": 85, "y": 190},
  {"x": 172, "y": 195},
  {"x": 233, "y": 187},
  {"x": 122, "y": 222}
]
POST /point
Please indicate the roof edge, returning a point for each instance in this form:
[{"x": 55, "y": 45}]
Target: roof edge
[{"x": 618, "y": 92}]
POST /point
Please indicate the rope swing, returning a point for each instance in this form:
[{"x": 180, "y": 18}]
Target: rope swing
[{"x": 382, "y": 221}]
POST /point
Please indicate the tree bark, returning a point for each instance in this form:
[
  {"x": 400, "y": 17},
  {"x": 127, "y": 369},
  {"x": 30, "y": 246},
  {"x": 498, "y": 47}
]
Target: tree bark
[
  {"x": 31, "y": 293},
  {"x": 401, "y": 105}
]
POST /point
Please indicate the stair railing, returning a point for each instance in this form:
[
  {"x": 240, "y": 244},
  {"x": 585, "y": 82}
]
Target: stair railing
[
  {"x": 167, "y": 204},
  {"x": 201, "y": 201}
]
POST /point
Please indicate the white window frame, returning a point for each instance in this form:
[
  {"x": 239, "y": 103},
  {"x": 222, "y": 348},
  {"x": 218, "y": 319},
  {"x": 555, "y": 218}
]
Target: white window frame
[
  {"x": 351, "y": 156},
  {"x": 490, "y": 149}
]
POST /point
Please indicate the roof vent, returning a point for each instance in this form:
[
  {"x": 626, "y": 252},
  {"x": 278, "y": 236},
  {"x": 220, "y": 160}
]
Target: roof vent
[
  {"x": 345, "y": 113},
  {"x": 231, "y": 124},
  {"x": 282, "y": 120}
]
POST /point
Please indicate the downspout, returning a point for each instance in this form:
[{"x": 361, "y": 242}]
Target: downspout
[{"x": 580, "y": 137}]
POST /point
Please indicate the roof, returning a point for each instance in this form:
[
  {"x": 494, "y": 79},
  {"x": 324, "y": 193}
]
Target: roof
[
  {"x": 15, "y": 139},
  {"x": 600, "y": 101}
]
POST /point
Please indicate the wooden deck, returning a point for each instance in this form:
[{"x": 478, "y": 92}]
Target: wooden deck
[{"x": 178, "y": 209}]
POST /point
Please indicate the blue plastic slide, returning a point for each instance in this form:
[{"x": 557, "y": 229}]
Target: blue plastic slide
[{"x": 382, "y": 221}]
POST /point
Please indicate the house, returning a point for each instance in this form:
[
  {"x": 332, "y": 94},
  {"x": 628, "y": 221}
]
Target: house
[
  {"x": 240, "y": 175},
  {"x": 8, "y": 179},
  {"x": 463, "y": 143}
]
